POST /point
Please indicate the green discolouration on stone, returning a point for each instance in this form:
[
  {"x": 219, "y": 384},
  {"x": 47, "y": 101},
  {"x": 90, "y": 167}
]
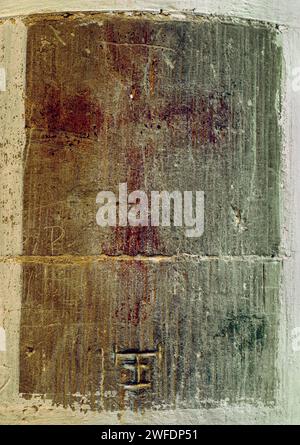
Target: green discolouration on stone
[{"x": 248, "y": 329}]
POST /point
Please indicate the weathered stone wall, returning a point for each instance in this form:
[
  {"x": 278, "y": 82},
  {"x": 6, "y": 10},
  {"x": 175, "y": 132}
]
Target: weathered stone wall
[{"x": 162, "y": 103}]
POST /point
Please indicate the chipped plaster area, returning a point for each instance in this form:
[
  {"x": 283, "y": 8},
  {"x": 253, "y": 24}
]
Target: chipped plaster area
[{"x": 40, "y": 412}]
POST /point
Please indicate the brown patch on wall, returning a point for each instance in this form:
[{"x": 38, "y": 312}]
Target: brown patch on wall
[{"x": 76, "y": 114}]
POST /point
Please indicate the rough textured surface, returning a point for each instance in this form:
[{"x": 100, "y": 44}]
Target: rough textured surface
[
  {"x": 291, "y": 233},
  {"x": 161, "y": 105},
  {"x": 254, "y": 270},
  {"x": 12, "y": 143},
  {"x": 12, "y": 109},
  {"x": 215, "y": 321}
]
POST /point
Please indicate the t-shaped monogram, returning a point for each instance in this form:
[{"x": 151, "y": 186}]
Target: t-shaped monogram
[{"x": 138, "y": 362}]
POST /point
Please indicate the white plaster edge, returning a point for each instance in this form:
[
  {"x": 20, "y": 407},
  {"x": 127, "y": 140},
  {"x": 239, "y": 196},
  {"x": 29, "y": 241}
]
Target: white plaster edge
[
  {"x": 289, "y": 359},
  {"x": 275, "y": 11},
  {"x": 13, "y": 37},
  {"x": 37, "y": 411},
  {"x": 2, "y": 339}
]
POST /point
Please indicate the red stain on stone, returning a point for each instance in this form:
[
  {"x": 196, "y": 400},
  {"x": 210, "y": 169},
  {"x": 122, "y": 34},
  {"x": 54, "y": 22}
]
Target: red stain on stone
[
  {"x": 152, "y": 75},
  {"x": 136, "y": 240},
  {"x": 134, "y": 309},
  {"x": 132, "y": 314},
  {"x": 206, "y": 118},
  {"x": 126, "y": 49},
  {"x": 77, "y": 113},
  {"x": 142, "y": 239}
]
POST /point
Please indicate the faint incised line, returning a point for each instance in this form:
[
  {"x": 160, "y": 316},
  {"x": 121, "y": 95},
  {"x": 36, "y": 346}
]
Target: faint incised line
[
  {"x": 57, "y": 35},
  {"x": 103, "y": 42},
  {"x": 61, "y": 235},
  {"x": 3, "y": 386}
]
